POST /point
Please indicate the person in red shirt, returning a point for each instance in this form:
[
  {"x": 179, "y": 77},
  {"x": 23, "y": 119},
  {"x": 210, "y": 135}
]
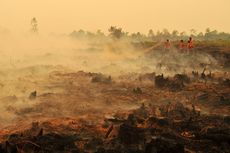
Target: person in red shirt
[
  {"x": 167, "y": 45},
  {"x": 181, "y": 45},
  {"x": 190, "y": 44}
]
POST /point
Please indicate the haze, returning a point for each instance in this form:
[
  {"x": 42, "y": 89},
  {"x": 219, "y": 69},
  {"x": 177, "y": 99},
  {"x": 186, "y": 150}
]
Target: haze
[{"x": 61, "y": 16}]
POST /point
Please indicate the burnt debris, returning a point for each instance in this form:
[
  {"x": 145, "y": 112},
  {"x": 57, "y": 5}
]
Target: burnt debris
[{"x": 33, "y": 95}]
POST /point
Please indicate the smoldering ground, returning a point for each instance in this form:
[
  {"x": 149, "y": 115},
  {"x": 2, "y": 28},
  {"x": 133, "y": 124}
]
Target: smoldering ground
[{"x": 30, "y": 63}]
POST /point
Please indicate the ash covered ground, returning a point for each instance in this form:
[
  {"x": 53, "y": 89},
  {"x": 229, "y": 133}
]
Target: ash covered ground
[{"x": 112, "y": 96}]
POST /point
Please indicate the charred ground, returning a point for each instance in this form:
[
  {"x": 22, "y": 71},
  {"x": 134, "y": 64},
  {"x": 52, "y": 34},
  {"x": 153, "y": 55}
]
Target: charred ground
[{"x": 142, "y": 112}]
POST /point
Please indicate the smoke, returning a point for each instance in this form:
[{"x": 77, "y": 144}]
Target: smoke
[
  {"x": 28, "y": 62},
  {"x": 106, "y": 56}
]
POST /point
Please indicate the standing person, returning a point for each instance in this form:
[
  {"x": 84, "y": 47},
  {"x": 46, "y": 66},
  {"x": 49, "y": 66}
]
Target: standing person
[
  {"x": 167, "y": 45},
  {"x": 181, "y": 45},
  {"x": 190, "y": 44}
]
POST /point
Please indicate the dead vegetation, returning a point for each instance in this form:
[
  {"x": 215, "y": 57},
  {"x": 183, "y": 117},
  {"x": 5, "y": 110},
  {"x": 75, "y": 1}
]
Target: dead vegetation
[
  {"x": 175, "y": 129},
  {"x": 148, "y": 113},
  {"x": 174, "y": 84}
]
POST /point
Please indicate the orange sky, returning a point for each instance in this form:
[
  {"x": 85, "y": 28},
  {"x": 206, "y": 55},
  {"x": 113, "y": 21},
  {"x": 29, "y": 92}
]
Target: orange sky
[{"x": 63, "y": 16}]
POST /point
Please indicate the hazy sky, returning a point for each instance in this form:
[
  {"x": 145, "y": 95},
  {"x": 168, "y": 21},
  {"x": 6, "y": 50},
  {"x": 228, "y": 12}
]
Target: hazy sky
[{"x": 61, "y": 16}]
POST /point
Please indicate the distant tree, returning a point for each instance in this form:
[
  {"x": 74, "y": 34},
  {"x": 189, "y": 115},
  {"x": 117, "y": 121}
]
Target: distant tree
[
  {"x": 90, "y": 34},
  {"x": 100, "y": 33},
  {"x": 166, "y": 32},
  {"x": 116, "y": 32},
  {"x": 158, "y": 33},
  {"x": 223, "y": 35},
  {"x": 34, "y": 25},
  {"x": 183, "y": 34},
  {"x": 151, "y": 33},
  {"x": 73, "y": 34},
  {"x": 175, "y": 33},
  {"x": 207, "y": 30},
  {"x": 200, "y": 34},
  {"x": 211, "y": 34},
  {"x": 214, "y": 32},
  {"x": 79, "y": 34},
  {"x": 125, "y": 34},
  {"x": 193, "y": 32},
  {"x": 138, "y": 36}
]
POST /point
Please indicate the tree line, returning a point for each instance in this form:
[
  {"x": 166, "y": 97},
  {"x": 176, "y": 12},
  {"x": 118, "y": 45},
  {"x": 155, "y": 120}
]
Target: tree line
[{"x": 119, "y": 33}]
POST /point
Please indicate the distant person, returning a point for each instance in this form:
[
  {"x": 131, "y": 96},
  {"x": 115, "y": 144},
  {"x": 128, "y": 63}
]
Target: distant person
[
  {"x": 167, "y": 45},
  {"x": 190, "y": 44},
  {"x": 181, "y": 45}
]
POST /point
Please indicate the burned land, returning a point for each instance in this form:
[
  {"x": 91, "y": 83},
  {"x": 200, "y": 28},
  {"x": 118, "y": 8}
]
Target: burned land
[{"x": 148, "y": 102}]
